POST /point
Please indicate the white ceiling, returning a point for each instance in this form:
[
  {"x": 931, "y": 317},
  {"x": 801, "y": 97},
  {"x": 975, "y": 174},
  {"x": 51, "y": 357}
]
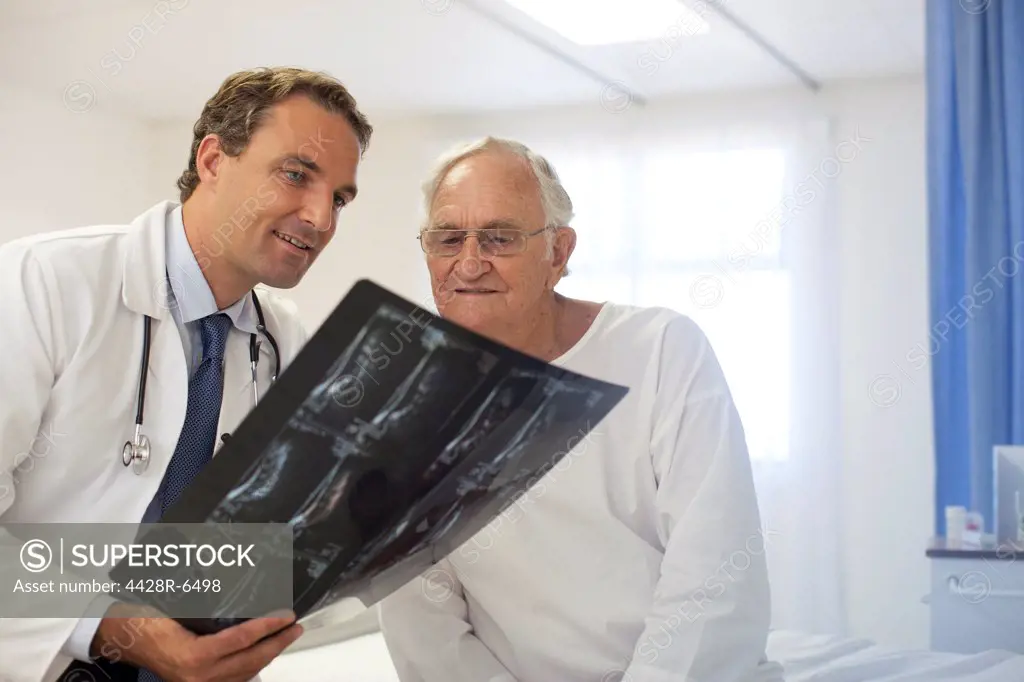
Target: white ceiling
[{"x": 162, "y": 58}]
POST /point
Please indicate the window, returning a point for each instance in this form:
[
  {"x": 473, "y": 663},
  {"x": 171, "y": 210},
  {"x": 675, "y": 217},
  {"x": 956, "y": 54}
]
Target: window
[{"x": 691, "y": 230}]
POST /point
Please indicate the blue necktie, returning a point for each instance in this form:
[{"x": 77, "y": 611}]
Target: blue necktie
[{"x": 199, "y": 433}]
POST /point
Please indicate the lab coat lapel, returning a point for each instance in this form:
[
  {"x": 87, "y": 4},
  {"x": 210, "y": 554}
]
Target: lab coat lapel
[{"x": 144, "y": 272}]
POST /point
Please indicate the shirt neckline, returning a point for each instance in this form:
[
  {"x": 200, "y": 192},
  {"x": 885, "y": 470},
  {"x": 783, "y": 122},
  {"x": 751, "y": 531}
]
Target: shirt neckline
[
  {"x": 190, "y": 293},
  {"x": 591, "y": 330}
]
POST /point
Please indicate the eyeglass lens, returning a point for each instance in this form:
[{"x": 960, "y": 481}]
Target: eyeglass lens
[{"x": 493, "y": 241}]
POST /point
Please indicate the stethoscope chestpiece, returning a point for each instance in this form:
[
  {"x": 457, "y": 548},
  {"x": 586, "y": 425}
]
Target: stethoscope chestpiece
[{"x": 136, "y": 454}]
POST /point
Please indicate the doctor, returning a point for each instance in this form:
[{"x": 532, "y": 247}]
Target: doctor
[{"x": 273, "y": 160}]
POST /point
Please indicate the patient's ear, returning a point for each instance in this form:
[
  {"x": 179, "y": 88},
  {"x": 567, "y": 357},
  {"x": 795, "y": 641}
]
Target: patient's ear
[{"x": 564, "y": 245}]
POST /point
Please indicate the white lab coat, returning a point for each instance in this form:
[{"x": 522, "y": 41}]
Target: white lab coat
[{"x": 71, "y": 311}]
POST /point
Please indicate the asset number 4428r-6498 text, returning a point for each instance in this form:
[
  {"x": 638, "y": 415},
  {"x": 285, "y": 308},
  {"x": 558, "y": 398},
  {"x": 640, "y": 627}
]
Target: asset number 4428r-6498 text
[{"x": 170, "y": 585}]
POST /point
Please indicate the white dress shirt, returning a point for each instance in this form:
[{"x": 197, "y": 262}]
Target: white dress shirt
[
  {"x": 190, "y": 299},
  {"x": 640, "y": 557}
]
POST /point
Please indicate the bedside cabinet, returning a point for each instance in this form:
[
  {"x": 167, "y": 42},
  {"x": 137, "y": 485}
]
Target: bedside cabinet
[{"x": 976, "y": 598}]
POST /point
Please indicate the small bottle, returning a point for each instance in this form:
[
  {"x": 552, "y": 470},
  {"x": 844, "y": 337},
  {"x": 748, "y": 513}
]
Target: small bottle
[
  {"x": 956, "y": 520},
  {"x": 1020, "y": 518}
]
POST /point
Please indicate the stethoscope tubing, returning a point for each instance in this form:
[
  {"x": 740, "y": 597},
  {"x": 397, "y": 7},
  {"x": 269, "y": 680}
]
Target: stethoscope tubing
[{"x": 135, "y": 453}]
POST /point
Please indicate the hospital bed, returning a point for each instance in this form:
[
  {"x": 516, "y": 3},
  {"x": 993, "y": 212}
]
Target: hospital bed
[{"x": 807, "y": 658}]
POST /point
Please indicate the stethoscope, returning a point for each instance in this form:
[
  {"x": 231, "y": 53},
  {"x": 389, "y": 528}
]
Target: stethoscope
[{"x": 136, "y": 451}]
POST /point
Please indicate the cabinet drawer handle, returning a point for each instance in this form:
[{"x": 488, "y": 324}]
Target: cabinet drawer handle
[{"x": 975, "y": 587}]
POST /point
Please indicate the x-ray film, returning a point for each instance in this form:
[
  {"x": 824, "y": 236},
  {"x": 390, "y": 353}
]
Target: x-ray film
[{"x": 392, "y": 437}]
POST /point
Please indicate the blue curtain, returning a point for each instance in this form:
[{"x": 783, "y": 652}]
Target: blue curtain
[{"x": 975, "y": 85}]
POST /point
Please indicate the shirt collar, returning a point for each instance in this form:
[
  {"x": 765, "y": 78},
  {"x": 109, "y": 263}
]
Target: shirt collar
[{"x": 187, "y": 284}]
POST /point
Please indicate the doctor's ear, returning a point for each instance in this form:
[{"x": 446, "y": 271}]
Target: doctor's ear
[{"x": 210, "y": 157}]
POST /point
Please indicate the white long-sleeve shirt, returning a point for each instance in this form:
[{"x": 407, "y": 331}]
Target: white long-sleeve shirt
[{"x": 640, "y": 557}]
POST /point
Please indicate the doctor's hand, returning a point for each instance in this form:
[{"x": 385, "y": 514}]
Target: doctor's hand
[{"x": 163, "y": 646}]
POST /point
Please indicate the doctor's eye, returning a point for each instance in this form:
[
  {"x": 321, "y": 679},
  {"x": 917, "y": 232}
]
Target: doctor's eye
[
  {"x": 294, "y": 176},
  {"x": 339, "y": 201}
]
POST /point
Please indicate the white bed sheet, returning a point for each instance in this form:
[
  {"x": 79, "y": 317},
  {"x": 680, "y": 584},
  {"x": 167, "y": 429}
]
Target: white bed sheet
[
  {"x": 822, "y": 658},
  {"x": 807, "y": 658}
]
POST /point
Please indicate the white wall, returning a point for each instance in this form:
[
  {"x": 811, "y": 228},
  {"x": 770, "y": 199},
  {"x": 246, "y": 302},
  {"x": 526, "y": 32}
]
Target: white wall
[{"x": 63, "y": 169}]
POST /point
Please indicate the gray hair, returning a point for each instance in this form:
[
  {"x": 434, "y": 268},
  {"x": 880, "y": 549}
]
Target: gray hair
[{"x": 557, "y": 205}]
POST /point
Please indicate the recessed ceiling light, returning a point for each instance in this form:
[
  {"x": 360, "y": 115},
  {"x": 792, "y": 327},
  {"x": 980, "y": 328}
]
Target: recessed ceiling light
[{"x": 606, "y": 22}]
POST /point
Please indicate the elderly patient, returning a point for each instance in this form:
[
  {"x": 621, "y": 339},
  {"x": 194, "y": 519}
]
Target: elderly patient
[{"x": 640, "y": 557}]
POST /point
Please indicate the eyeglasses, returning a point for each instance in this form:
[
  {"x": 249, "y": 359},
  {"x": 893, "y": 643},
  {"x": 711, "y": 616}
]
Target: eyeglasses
[{"x": 494, "y": 241}]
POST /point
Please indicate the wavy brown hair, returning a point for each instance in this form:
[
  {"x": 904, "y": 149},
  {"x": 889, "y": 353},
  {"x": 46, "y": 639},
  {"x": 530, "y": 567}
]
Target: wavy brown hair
[{"x": 244, "y": 99}]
